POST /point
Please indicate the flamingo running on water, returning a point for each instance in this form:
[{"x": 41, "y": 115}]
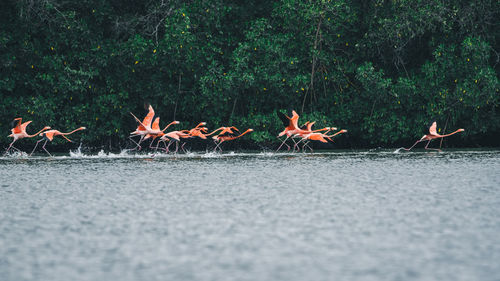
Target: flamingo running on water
[
  {"x": 432, "y": 135},
  {"x": 19, "y": 132},
  {"x": 142, "y": 129},
  {"x": 292, "y": 130},
  {"x": 49, "y": 136},
  {"x": 227, "y": 134},
  {"x": 322, "y": 137}
]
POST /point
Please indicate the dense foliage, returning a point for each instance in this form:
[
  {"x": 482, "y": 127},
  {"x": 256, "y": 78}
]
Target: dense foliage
[{"x": 381, "y": 69}]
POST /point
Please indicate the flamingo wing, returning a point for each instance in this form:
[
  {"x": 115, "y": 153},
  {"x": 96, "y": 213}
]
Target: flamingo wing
[
  {"x": 149, "y": 117},
  {"x": 432, "y": 129},
  {"x": 25, "y": 124},
  {"x": 49, "y": 135},
  {"x": 156, "y": 124},
  {"x": 317, "y": 137},
  {"x": 309, "y": 126},
  {"x": 294, "y": 121},
  {"x": 17, "y": 127},
  {"x": 142, "y": 126}
]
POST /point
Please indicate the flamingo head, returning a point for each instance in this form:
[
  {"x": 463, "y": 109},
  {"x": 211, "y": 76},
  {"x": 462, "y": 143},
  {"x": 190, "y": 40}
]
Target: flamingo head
[
  {"x": 82, "y": 128},
  {"x": 333, "y": 128},
  {"x": 46, "y": 128},
  {"x": 343, "y": 131},
  {"x": 250, "y": 130},
  {"x": 461, "y": 130},
  {"x": 176, "y": 122}
]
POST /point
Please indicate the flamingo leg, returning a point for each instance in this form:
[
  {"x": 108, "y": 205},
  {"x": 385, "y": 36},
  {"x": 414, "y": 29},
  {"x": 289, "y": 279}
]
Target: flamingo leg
[
  {"x": 428, "y": 148},
  {"x": 283, "y": 143},
  {"x": 167, "y": 146},
  {"x": 408, "y": 149},
  {"x": 296, "y": 145},
  {"x": 182, "y": 147},
  {"x": 45, "y": 148},
  {"x": 66, "y": 138},
  {"x": 36, "y": 146},
  {"x": 157, "y": 145},
  {"x": 218, "y": 146},
  {"x": 306, "y": 144},
  {"x": 11, "y": 146},
  {"x": 136, "y": 144},
  {"x": 151, "y": 144}
]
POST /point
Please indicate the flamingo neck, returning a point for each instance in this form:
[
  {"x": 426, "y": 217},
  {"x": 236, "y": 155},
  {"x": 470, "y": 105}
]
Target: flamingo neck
[
  {"x": 245, "y": 132},
  {"x": 75, "y": 130},
  {"x": 215, "y": 131},
  {"x": 169, "y": 124},
  {"x": 457, "y": 131},
  {"x": 339, "y": 132},
  {"x": 36, "y": 134}
]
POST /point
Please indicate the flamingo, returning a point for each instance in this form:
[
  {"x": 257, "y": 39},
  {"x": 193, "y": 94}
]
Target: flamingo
[
  {"x": 142, "y": 129},
  {"x": 322, "y": 137},
  {"x": 49, "y": 136},
  {"x": 227, "y": 134},
  {"x": 432, "y": 135},
  {"x": 292, "y": 130},
  {"x": 290, "y": 123},
  {"x": 19, "y": 132}
]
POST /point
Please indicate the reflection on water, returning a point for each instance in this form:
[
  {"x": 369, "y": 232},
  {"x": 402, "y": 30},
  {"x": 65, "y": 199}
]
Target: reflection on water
[{"x": 348, "y": 215}]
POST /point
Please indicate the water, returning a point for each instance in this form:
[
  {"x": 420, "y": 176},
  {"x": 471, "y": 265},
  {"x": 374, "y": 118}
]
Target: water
[{"x": 363, "y": 215}]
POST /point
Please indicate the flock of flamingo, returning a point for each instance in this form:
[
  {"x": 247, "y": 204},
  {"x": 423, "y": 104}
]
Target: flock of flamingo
[{"x": 149, "y": 129}]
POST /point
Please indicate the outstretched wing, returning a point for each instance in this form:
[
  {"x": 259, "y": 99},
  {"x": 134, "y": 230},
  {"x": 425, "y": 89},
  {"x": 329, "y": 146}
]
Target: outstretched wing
[
  {"x": 433, "y": 128},
  {"x": 25, "y": 124},
  {"x": 17, "y": 126},
  {"x": 156, "y": 124},
  {"x": 149, "y": 117}
]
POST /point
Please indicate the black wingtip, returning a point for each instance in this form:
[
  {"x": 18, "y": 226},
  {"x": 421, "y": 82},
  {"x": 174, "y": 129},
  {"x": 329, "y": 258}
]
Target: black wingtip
[{"x": 283, "y": 118}]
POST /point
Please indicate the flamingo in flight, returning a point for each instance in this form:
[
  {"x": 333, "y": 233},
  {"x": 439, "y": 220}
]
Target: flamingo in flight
[
  {"x": 292, "y": 129},
  {"x": 49, "y": 136},
  {"x": 432, "y": 135},
  {"x": 143, "y": 128},
  {"x": 19, "y": 132},
  {"x": 227, "y": 134}
]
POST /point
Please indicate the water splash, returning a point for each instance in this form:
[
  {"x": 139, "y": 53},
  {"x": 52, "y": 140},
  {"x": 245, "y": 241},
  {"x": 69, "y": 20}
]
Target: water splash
[{"x": 398, "y": 150}]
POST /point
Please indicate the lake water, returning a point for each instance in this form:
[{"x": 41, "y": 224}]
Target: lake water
[{"x": 356, "y": 215}]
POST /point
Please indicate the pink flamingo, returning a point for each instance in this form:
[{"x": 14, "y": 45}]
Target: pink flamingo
[
  {"x": 322, "y": 137},
  {"x": 143, "y": 128},
  {"x": 227, "y": 134},
  {"x": 19, "y": 132},
  {"x": 49, "y": 136},
  {"x": 432, "y": 135}
]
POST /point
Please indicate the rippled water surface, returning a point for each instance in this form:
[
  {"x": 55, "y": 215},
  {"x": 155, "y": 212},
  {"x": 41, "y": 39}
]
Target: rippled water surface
[{"x": 252, "y": 216}]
